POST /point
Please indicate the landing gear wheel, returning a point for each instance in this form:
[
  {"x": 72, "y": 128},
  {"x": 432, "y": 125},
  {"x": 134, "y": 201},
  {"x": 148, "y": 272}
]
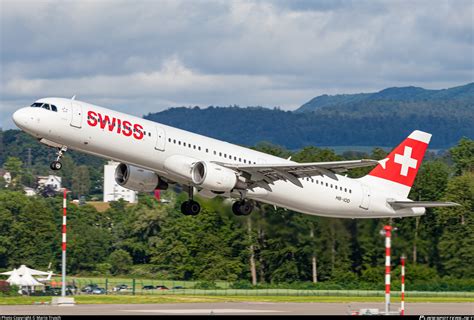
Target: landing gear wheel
[
  {"x": 242, "y": 207},
  {"x": 56, "y": 165},
  {"x": 190, "y": 208}
]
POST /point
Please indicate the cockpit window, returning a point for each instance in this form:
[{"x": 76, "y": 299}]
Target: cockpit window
[{"x": 45, "y": 106}]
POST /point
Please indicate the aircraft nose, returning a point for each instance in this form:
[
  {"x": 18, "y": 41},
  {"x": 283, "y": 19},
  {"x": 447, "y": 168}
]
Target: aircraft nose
[{"x": 20, "y": 117}]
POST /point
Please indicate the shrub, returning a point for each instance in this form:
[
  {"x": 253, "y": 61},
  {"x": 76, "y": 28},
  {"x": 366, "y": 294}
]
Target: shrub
[
  {"x": 373, "y": 275},
  {"x": 6, "y": 290},
  {"x": 206, "y": 285},
  {"x": 121, "y": 261},
  {"x": 103, "y": 268},
  {"x": 242, "y": 284}
]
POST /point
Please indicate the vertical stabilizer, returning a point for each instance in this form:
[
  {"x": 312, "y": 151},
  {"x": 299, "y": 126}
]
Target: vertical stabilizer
[{"x": 398, "y": 170}]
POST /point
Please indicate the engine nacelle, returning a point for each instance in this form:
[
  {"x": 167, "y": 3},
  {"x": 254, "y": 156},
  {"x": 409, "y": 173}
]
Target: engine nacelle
[
  {"x": 138, "y": 179},
  {"x": 213, "y": 177}
]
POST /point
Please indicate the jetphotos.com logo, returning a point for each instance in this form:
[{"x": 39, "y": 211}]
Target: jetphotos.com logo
[{"x": 446, "y": 317}]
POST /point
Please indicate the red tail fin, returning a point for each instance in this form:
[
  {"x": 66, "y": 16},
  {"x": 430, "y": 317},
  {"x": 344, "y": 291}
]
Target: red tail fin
[{"x": 402, "y": 164}]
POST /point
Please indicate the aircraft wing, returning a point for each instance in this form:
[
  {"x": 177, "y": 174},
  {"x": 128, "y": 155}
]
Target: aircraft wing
[
  {"x": 421, "y": 204},
  {"x": 262, "y": 175}
]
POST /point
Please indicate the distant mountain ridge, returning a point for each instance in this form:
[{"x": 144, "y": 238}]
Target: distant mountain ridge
[
  {"x": 400, "y": 94},
  {"x": 381, "y": 119}
]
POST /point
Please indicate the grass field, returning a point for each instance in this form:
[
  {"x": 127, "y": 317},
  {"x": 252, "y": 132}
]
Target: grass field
[
  {"x": 209, "y": 299},
  {"x": 223, "y": 293}
]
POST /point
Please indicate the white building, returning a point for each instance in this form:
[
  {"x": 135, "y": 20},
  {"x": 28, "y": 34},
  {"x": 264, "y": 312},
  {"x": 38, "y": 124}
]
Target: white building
[
  {"x": 29, "y": 192},
  {"x": 7, "y": 177},
  {"x": 53, "y": 181},
  {"x": 112, "y": 191}
]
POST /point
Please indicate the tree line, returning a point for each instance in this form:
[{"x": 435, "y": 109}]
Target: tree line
[
  {"x": 271, "y": 246},
  {"x": 366, "y": 123}
]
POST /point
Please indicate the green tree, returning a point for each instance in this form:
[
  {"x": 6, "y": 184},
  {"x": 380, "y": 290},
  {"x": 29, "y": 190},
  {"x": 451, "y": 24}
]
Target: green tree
[
  {"x": 81, "y": 181},
  {"x": 422, "y": 232},
  {"x": 14, "y": 166},
  {"x": 28, "y": 233},
  {"x": 457, "y": 224},
  {"x": 120, "y": 261},
  {"x": 463, "y": 155}
]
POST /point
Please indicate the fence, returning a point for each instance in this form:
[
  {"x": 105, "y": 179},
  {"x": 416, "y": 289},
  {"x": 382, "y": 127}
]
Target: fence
[{"x": 167, "y": 287}]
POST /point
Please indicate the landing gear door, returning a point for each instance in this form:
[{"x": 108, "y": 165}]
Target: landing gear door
[
  {"x": 365, "y": 197},
  {"x": 160, "y": 139},
  {"x": 76, "y": 115}
]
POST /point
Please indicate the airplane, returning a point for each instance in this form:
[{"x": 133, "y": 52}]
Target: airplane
[{"x": 153, "y": 156}]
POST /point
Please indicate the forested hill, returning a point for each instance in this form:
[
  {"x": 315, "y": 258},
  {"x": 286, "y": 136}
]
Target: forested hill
[
  {"x": 460, "y": 94},
  {"x": 354, "y": 120}
]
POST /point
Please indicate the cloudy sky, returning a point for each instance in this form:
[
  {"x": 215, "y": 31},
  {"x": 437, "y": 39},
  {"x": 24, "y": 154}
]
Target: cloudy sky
[{"x": 145, "y": 56}]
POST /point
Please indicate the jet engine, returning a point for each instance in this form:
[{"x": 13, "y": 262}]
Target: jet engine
[
  {"x": 211, "y": 176},
  {"x": 138, "y": 179}
]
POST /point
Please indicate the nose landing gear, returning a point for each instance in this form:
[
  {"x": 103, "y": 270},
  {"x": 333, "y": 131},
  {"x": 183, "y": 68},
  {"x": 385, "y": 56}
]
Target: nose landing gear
[{"x": 57, "y": 165}]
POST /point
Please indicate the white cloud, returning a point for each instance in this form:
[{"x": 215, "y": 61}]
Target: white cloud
[{"x": 167, "y": 53}]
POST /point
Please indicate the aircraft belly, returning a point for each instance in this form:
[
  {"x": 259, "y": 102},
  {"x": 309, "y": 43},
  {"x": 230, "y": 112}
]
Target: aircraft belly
[{"x": 310, "y": 199}]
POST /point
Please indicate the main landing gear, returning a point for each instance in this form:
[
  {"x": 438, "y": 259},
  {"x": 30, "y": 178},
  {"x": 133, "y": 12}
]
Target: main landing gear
[
  {"x": 57, "y": 165},
  {"x": 243, "y": 207},
  {"x": 190, "y": 207}
]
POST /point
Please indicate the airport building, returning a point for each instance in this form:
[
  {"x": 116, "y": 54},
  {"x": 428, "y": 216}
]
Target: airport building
[{"x": 112, "y": 191}]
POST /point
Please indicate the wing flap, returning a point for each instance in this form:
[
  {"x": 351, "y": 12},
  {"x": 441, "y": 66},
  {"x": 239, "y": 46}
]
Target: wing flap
[{"x": 268, "y": 173}]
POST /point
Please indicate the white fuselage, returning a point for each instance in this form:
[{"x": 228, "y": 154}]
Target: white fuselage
[{"x": 320, "y": 195}]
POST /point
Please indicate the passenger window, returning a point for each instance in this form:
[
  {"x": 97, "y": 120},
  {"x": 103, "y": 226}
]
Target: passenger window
[
  {"x": 199, "y": 148},
  {"x": 207, "y": 150},
  {"x": 149, "y": 134},
  {"x": 350, "y": 191},
  {"x": 225, "y": 155},
  {"x": 240, "y": 159},
  {"x": 220, "y": 154},
  {"x": 174, "y": 141},
  {"x": 215, "y": 152},
  {"x": 345, "y": 189},
  {"x": 184, "y": 144},
  {"x": 169, "y": 139}
]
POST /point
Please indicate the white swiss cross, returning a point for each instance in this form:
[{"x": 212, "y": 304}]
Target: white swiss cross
[{"x": 406, "y": 161}]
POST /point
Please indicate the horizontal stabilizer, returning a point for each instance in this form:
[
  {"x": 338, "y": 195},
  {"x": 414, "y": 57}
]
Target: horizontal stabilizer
[{"x": 421, "y": 204}]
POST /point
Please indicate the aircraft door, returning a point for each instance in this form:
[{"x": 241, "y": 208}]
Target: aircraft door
[
  {"x": 76, "y": 115},
  {"x": 160, "y": 139},
  {"x": 365, "y": 197}
]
